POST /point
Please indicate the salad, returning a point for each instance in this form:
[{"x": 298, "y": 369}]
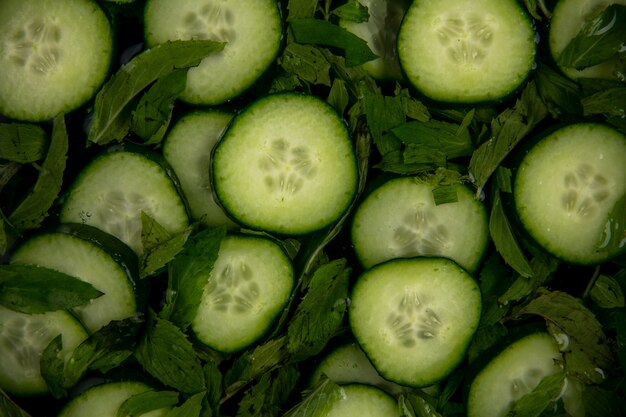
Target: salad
[{"x": 312, "y": 208}]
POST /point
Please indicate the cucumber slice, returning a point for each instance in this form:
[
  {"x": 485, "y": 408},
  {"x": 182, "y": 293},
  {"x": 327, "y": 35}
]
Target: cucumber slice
[
  {"x": 568, "y": 17},
  {"x": 415, "y": 317},
  {"x": 54, "y": 56},
  {"x": 286, "y": 164},
  {"x": 363, "y": 401},
  {"x": 116, "y": 187},
  {"x": 247, "y": 289},
  {"x": 187, "y": 149},
  {"x": 252, "y": 31},
  {"x": 23, "y": 338},
  {"x": 570, "y": 191},
  {"x": 80, "y": 256},
  {"x": 513, "y": 373},
  {"x": 463, "y": 51},
  {"x": 400, "y": 219},
  {"x": 107, "y": 398}
]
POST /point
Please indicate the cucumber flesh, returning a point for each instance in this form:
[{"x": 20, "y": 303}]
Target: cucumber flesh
[
  {"x": 248, "y": 287},
  {"x": 23, "y": 338},
  {"x": 466, "y": 50},
  {"x": 286, "y": 165},
  {"x": 55, "y": 54},
  {"x": 400, "y": 219},
  {"x": 363, "y": 401},
  {"x": 415, "y": 317},
  {"x": 569, "y": 192}
]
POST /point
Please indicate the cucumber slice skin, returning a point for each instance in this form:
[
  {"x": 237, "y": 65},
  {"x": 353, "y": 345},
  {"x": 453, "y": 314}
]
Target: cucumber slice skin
[
  {"x": 107, "y": 398},
  {"x": 415, "y": 317},
  {"x": 515, "y": 371},
  {"x": 83, "y": 259},
  {"x": 116, "y": 186},
  {"x": 466, "y": 51},
  {"x": 285, "y": 165},
  {"x": 249, "y": 285},
  {"x": 188, "y": 148},
  {"x": 400, "y": 219},
  {"x": 566, "y": 187},
  {"x": 253, "y": 32},
  {"x": 44, "y": 60},
  {"x": 359, "y": 400},
  {"x": 23, "y": 337}
]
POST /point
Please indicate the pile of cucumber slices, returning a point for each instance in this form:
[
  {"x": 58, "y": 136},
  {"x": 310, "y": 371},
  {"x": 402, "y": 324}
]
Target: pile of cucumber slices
[{"x": 312, "y": 208}]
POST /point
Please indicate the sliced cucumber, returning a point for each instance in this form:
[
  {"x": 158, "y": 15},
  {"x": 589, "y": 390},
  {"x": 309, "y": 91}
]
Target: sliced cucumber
[
  {"x": 380, "y": 31},
  {"x": 252, "y": 31},
  {"x": 400, "y": 219},
  {"x": 116, "y": 187},
  {"x": 107, "y": 398},
  {"x": 415, "y": 317},
  {"x": 363, "y": 401},
  {"x": 23, "y": 338},
  {"x": 570, "y": 192},
  {"x": 76, "y": 253},
  {"x": 466, "y": 50},
  {"x": 286, "y": 165},
  {"x": 568, "y": 18},
  {"x": 248, "y": 287},
  {"x": 54, "y": 55},
  {"x": 187, "y": 149},
  {"x": 513, "y": 373}
]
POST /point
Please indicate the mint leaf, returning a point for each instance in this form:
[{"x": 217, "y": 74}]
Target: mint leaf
[
  {"x": 318, "y": 402},
  {"x": 34, "y": 208},
  {"x": 112, "y": 112},
  {"x": 607, "y": 293},
  {"x": 609, "y": 102},
  {"x": 353, "y": 11},
  {"x": 192, "y": 407},
  {"x": 320, "y": 32},
  {"x": 540, "y": 398},
  {"x": 271, "y": 391},
  {"x": 8, "y": 408},
  {"x": 299, "y": 9},
  {"x": 22, "y": 142},
  {"x": 145, "y": 402},
  {"x": 307, "y": 63},
  {"x": 34, "y": 289},
  {"x": 434, "y": 135},
  {"x": 160, "y": 247},
  {"x": 559, "y": 93}
]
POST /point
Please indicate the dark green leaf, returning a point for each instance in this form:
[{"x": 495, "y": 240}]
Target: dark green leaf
[
  {"x": 353, "y": 11},
  {"x": 320, "y": 32},
  {"x": 167, "y": 354},
  {"x": 34, "y": 208},
  {"x": 318, "y": 402},
  {"x": 33, "y": 289},
  {"x": 299, "y": 9},
  {"x": 112, "y": 114},
  {"x": 338, "y": 96},
  {"x": 607, "y": 293},
  {"x": 145, "y": 402},
  {"x": 52, "y": 368},
  {"x": 21, "y": 142},
  {"x": 8, "y": 408},
  {"x": 543, "y": 267},
  {"x": 540, "y": 398},
  {"x": 611, "y": 102},
  {"x": 415, "y": 405},
  {"x": 307, "y": 63},
  {"x": 384, "y": 113},
  {"x": 434, "y": 135},
  {"x": 213, "y": 380},
  {"x": 154, "y": 111},
  {"x": 558, "y": 92},
  {"x": 445, "y": 194},
  {"x": 192, "y": 407},
  {"x": 600, "y": 38},
  {"x": 7, "y": 170},
  {"x": 267, "y": 396},
  {"x": 160, "y": 247}
]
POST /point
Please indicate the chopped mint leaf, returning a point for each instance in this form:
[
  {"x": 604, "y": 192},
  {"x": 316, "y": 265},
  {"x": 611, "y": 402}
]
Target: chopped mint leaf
[
  {"x": 112, "y": 113},
  {"x": 449, "y": 138},
  {"x": 318, "y": 401},
  {"x": 7, "y": 170},
  {"x": 412, "y": 404},
  {"x": 192, "y": 407},
  {"x": 559, "y": 93},
  {"x": 145, "y": 402},
  {"x": 213, "y": 380},
  {"x": 600, "y": 39},
  {"x": 34, "y": 289},
  {"x": 320, "y": 32},
  {"x": 160, "y": 247},
  {"x": 34, "y": 208},
  {"x": 607, "y": 293},
  {"x": 609, "y": 102},
  {"x": 540, "y": 398},
  {"x": 299, "y": 9},
  {"x": 353, "y": 11},
  {"x": 306, "y": 62},
  {"x": 445, "y": 194},
  {"x": 271, "y": 391},
  {"x": 338, "y": 96},
  {"x": 22, "y": 142},
  {"x": 543, "y": 267}
]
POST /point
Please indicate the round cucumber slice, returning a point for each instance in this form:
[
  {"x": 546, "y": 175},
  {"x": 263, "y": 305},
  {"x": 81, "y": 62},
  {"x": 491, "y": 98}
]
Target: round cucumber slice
[
  {"x": 252, "y": 31},
  {"x": 400, "y": 219},
  {"x": 415, "y": 317},
  {"x": 466, "y": 51},
  {"x": 286, "y": 165},
  {"x": 54, "y": 55},
  {"x": 570, "y": 193},
  {"x": 23, "y": 338},
  {"x": 248, "y": 287}
]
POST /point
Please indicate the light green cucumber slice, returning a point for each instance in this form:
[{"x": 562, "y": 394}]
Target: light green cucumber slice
[
  {"x": 415, "y": 317},
  {"x": 187, "y": 149},
  {"x": 23, "y": 338},
  {"x": 252, "y": 31},
  {"x": 54, "y": 56},
  {"x": 363, "y": 401},
  {"x": 248, "y": 287},
  {"x": 285, "y": 165},
  {"x": 466, "y": 50},
  {"x": 570, "y": 193},
  {"x": 400, "y": 219}
]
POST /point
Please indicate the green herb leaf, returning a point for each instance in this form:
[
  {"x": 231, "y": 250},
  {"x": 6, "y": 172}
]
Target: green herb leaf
[
  {"x": 611, "y": 102},
  {"x": 307, "y": 63},
  {"x": 320, "y": 32},
  {"x": 319, "y": 401},
  {"x": 540, "y": 398},
  {"x": 267, "y": 396},
  {"x": 299, "y": 9},
  {"x": 112, "y": 113},
  {"x": 338, "y": 97},
  {"x": 160, "y": 247},
  {"x": 167, "y": 354},
  {"x": 559, "y": 93},
  {"x": 8, "y": 408},
  {"x": 436, "y": 136},
  {"x": 607, "y": 293},
  {"x": 145, "y": 402},
  {"x": 34, "y": 208},
  {"x": 33, "y": 289},
  {"x": 414, "y": 405},
  {"x": 543, "y": 267},
  {"x": 353, "y": 11},
  {"x": 7, "y": 170},
  {"x": 192, "y": 407},
  {"x": 599, "y": 39},
  {"x": 22, "y": 142}
]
